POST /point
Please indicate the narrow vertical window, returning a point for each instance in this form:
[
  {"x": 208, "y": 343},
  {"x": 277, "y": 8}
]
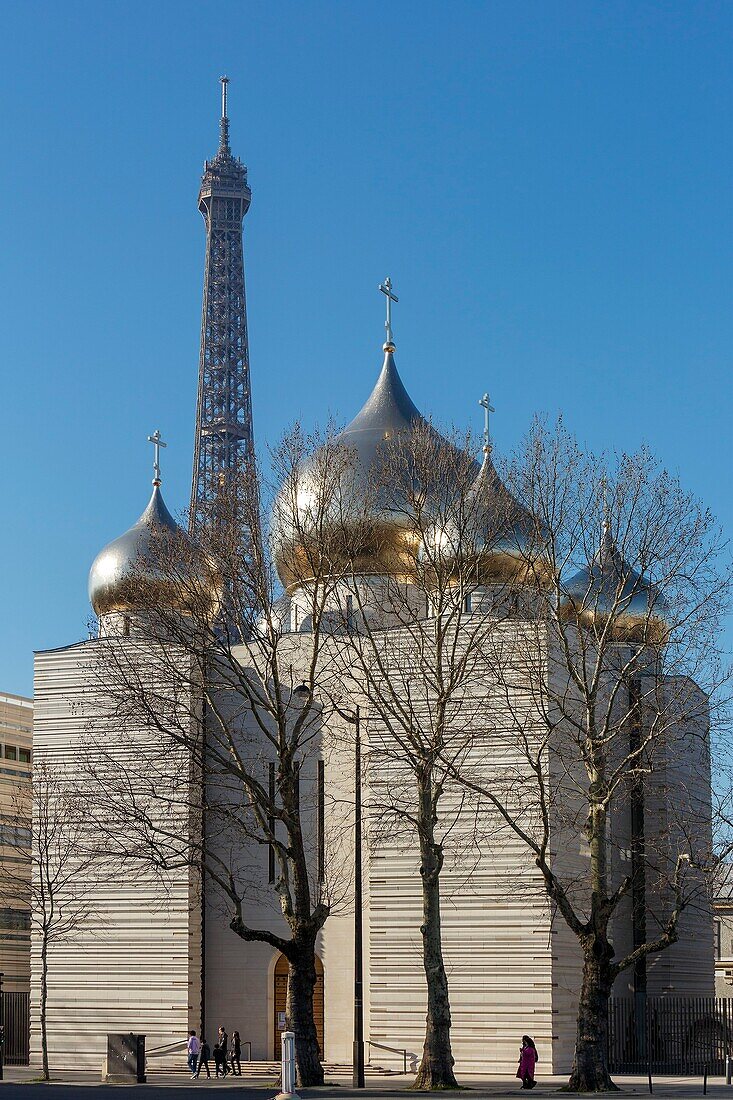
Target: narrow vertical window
[
  {"x": 718, "y": 952},
  {"x": 468, "y": 603},
  {"x": 271, "y": 825},
  {"x": 349, "y": 613},
  {"x": 321, "y": 811}
]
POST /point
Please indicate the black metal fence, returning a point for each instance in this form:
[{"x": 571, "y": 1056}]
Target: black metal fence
[
  {"x": 677, "y": 1035},
  {"x": 16, "y": 1016}
]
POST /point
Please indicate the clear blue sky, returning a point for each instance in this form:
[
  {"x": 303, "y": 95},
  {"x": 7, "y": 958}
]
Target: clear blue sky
[{"x": 548, "y": 184}]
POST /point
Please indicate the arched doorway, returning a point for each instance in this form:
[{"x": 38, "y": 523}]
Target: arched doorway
[{"x": 281, "y": 992}]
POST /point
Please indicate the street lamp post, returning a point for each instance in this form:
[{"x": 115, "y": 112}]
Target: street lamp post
[
  {"x": 358, "y": 1057},
  {"x": 2, "y": 1028}
]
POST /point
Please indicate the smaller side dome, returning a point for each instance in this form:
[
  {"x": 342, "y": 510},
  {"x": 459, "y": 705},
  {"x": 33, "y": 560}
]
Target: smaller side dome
[
  {"x": 122, "y": 573},
  {"x": 609, "y": 586},
  {"x": 495, "y": 529}
]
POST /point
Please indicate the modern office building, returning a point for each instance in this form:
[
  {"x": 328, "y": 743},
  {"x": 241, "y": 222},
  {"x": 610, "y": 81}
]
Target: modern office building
[{"x": 16, "y": 749}]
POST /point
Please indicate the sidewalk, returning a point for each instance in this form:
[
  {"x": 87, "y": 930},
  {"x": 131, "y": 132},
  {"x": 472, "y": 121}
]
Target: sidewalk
[{"x": 19, "y": 1084}]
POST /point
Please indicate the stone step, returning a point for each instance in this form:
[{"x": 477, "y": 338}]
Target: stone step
[{"x": 271, "y": 1070}]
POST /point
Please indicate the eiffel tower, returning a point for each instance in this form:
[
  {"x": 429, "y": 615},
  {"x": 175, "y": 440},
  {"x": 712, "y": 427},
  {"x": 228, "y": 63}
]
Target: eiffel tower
[{"x": 224, "y": 446}]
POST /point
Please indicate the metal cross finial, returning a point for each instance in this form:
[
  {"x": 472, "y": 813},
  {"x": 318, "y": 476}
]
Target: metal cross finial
[
  {"x": 157, "y": 444},
  {"x": 606, "y": 525},
  {"x": 486, "y": 405},
  {"x": 386, "y": 289}
]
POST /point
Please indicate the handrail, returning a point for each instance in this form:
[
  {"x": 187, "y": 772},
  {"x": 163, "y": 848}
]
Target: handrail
[
  {"x": 396, "y": 1050},
  {"x": 167, "y": 1048}
]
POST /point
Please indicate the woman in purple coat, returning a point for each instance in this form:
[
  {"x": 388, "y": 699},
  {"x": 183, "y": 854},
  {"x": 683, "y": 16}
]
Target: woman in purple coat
[{"x": 528, "y": 1059}]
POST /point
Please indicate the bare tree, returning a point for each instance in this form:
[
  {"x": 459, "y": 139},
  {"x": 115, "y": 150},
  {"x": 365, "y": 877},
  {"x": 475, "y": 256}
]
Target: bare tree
[
  {"x": 414, "y": 653},
  {"x": 206, "y": 669},
  {"x": 608, "y": 685},
  {"x": 45, "y": 828}
]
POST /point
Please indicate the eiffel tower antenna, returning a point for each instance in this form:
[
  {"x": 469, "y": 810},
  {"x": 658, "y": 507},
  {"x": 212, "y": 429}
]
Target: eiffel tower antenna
[{"x": 224, "y": 444}]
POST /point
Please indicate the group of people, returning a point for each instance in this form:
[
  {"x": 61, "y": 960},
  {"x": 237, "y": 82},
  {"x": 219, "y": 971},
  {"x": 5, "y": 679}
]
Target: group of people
[
  {"x": 226, "y": 1059},
  {"x": 199, "y": 1056}
]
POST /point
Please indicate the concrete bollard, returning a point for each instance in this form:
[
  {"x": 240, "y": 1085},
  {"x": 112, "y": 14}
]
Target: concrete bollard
[{"x": 287, "y": 1086}]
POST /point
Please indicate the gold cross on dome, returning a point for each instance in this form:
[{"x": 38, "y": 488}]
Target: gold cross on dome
[
  {"x": 486, "y": 405},
  {"x": 157, "y": 442},
  {"x": 386, "y": 289}
]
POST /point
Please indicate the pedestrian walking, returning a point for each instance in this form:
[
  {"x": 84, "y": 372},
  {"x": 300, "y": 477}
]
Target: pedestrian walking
[
  {"x": 192, "y": 1051},
  {"x": 204, "y": 1056},
  {"x": 218, "y": 1066},
  {"x": 528, "y": 1059},
  {"x": 236, "y": 1054},
  {"x": 224, "y": 1044}
]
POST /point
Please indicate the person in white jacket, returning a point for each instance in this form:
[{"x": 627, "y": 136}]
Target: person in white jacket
[{"x": 193, "y": 1052}]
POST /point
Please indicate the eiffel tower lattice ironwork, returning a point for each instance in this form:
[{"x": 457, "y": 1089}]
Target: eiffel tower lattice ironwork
[{"x": 224, "y": 444}]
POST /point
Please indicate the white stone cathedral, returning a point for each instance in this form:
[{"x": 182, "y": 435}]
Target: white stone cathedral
[{"x": 160, "y": 964}]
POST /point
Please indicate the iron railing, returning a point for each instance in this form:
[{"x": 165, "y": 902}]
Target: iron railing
[
  {"x": 16, "y": 1018},
  {"x": 179, "y": 1045},
  {"x": 683, "y": 1036},
  {"x": 395, "y": 1050}
]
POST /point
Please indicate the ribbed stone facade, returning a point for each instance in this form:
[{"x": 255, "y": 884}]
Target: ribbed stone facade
[
  {"x": 135, "y": 964},
  {"x": 513, "y": 966}
]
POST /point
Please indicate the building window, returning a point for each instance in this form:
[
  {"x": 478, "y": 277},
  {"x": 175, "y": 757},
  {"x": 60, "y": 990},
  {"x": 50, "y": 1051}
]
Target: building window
[
  {"x": 296, "y": 777},
  {"x": 271, "y": 826},
  {"x": 10, "y": 752},
  {"x": 321, "y": 822},
  {"x": 349, "y": 613},
  {"x": 14, "y": 837},
  {"x": 468, "y": 603},
  {"x": 15, "y": 918},
  {"x": 24, "y": 755},
  {"x": 125, "y": 626},
  {"x": 716, "y": 933}
]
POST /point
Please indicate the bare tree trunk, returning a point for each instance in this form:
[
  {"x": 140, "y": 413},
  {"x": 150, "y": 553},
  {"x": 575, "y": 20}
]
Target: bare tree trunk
[
  {"x": 436, "y": 1066},
  {"x": 44, "y": 997},
  {"x": 299, "y": 1014},
  {"x": 590, "y": 1066}
]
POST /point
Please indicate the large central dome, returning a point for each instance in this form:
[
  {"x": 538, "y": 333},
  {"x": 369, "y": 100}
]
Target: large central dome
[
  {"x": 320, "y": 497},
  {"x": 388, "y": 412}
]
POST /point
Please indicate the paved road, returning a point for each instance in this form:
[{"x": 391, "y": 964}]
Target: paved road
[
  {"x": 19, "y": 1086},
  {"x": 31, "y": 1090}
]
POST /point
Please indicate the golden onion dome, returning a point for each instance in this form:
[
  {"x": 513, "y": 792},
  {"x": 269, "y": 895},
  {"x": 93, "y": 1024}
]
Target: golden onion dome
[
  {"x": 610, "y": 588},
  {"x": 318, "y": 501},
  {"x": 154, "y": 566},
  {"x": 121, "y": 573},
  {"x": 490, "y": 532}
]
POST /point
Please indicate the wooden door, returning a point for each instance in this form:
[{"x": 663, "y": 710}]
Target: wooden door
[{"x": 281, "y": 992}]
